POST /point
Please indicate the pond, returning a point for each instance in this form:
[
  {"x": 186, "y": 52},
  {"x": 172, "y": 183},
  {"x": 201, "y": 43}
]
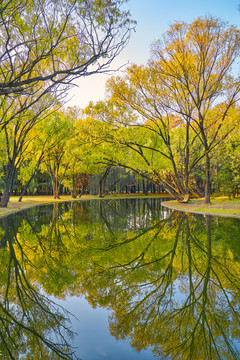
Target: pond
[{"x": 119, "y": 279}]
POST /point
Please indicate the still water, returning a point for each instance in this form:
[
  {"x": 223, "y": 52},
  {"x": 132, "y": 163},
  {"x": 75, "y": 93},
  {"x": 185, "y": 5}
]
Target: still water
[{"x": 119, "y": 279}]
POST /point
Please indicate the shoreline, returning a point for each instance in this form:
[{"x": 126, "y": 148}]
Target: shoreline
[
  {"x": 221, "y": 206},
  {"x": 31, "y": 201},
  {"x": 201, "y": 212}
]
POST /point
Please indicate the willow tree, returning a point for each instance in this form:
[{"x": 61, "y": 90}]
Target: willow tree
[
  {"x": 195, "y": 63},
  {"x": 56, "y": 131},
  {"x": 188, "y": 74},
  {"x": 145, "y": 148},
  {"x": 58, "y": 41},
  {"x": 165, "y": 135},
  {"x": 19, "y": 117},
  {"x": 44, "y": 46}
]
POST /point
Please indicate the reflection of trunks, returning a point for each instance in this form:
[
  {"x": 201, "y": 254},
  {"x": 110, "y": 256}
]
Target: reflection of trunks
[{"x": 167, "y": 281}]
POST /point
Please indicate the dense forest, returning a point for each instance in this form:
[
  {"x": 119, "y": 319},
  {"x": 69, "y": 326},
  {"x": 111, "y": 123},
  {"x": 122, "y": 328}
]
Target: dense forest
[{"x": 170, "y": 125}]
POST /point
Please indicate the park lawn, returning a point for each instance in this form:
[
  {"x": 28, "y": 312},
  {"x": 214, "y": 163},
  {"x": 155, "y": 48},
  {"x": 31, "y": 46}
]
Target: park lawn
[{"x": 219, "y": 206}]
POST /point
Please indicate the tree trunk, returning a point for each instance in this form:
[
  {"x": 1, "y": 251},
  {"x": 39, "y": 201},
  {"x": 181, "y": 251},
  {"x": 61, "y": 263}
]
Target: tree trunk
[
  {"x": 102, "y": 181},
  {"x": 74, "y": 192},
  {"x": 8, "y": 185},
  {"x": 101, "y": 187},
  {"x": 5, "y": 198},
  {"x": 25, "y": 188},
  {"x": 55, "y": 187},
  {"x": 208, "y": 180},
  {"x": 187, "y": 161},
  {"x": 29, "y": 181},
  {"x": 145, "y": 187},
  {"x": 81, "y": 191}
]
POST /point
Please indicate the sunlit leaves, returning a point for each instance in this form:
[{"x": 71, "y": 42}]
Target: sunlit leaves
[{"x": 58, "y": 40}]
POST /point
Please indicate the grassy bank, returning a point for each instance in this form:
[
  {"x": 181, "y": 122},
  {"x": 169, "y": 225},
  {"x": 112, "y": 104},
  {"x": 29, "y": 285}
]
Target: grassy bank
[
  {"x": 29, "y": 201},
  {"x": 219, "y": 206}
]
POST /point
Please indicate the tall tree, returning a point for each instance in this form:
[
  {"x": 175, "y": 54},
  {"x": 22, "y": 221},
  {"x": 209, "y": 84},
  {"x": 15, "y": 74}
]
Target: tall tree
[
  {"x": 56, "y": 129},
  {"x": 195, "y": 63},
  {"x": 20, "y": 116},
  {"x": 144, "y": 92},
  {"x": 45, "y": 44},
  {"x": 188, "y": 74}
]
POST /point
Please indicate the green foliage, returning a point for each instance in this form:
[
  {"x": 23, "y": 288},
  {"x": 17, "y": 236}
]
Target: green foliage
[
  {"x": 162, "y": 121},
  {"x": 57, "y": 41},
  {"x": 227, "y": 162},
  {"x": 44, "y": 46}
]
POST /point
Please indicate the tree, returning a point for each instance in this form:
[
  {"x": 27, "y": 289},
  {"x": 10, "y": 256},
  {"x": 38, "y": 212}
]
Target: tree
[
  {"x": 91, "y": 148},
  {"x": 19, "y": 116},
  {"x": 56, "y": 42},
  {"x": 195, "y": 62},
  {"x": 152, "y": 146},
  {"x": 56, "y": 129},
  {"x": 226, "y": 164},
  {"x": 45, "y": 45},
  {"x": 74, "y": 158},
  {"x": 31, "y": 163},
  {"x": 187, "y": 77},
  {"x": 31, "y": 323},
  {"x": 143, "y": 92}
]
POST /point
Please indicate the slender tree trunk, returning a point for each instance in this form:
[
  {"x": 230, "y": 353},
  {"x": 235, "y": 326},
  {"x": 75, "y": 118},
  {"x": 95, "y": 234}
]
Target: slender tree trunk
[
  {"x": 81, "y": 191},
  {"x": 145, "y": 187},
  {"x": 208, "y": 180},
  {"x": 25, "y": 188},
  {"x": 29, "y": 181},
  {"x": 187, "y": 161},
  {"x": 180, "y": 186},
  {"x": 101, "y": 187},
  {"x": 102, "y": 181},
  {"x": 153, "y": 188}
]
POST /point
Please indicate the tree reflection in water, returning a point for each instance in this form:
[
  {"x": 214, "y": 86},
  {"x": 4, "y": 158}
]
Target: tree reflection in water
[
  {"x": 31, "y": 325},
  {"x": 171, "y": 279},
  {"x": 188, "y": 308}
]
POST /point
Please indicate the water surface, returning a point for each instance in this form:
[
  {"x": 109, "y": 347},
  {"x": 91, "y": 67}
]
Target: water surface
[{"x": 114, "y": 279}]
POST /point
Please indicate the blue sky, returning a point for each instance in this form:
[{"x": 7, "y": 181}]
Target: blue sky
[{"x": 153, "y": 17}]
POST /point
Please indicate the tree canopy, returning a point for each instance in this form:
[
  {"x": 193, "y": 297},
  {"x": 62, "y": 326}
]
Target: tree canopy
[
  {"x": 58, "y": 41},
  {"x": 163, "y": 122}
]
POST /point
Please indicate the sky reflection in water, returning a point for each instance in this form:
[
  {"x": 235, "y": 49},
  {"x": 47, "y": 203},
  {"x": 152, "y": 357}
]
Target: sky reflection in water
[{"x": 162, "y": 283}]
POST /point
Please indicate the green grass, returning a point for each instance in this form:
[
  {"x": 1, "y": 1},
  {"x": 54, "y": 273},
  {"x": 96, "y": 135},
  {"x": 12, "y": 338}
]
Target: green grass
[{"x": 219, "y": 205}]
